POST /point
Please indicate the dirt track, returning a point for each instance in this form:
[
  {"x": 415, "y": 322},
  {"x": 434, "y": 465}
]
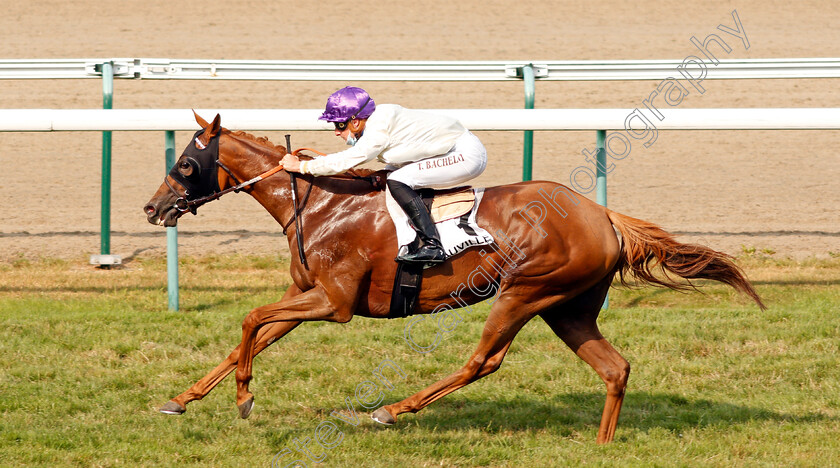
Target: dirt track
[{"x": 730, "y": 190}]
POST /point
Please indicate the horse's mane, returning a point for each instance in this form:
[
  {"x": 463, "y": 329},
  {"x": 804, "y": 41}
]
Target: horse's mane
[
  {"x": 374, "y": 177},
  {"x": 262, "y": 141}
]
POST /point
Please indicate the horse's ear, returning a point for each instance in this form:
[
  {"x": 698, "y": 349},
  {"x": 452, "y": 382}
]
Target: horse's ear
[
  {"x": 214, "y": 127},
  {"x": 210, "y": 130},
  {"x": 199, "y": 120}
]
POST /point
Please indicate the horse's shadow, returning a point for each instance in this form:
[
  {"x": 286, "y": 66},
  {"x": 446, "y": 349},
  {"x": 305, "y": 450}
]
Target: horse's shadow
[
  {"x": 566, "y": 415},
  {"x": 574, "y": 412}
]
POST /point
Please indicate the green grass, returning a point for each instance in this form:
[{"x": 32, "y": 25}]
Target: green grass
[{"x": 89, "y": 356}]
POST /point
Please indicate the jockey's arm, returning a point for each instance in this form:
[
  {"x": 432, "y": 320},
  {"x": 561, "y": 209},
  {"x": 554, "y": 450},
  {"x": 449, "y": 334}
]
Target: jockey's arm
[{"x": 369, "y": 146}]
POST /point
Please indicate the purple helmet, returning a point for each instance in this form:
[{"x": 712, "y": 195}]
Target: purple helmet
[{"x": 348, "y": 103}]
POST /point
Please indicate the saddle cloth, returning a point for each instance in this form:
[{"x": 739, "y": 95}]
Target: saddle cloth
[{"x": 454, "y": 216}]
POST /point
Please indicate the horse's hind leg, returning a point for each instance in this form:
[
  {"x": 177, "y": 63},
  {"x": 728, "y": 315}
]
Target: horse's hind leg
[
  {"x": 575, "y": 323},
  {"x": 200, "y": 389},
  {"x": 503, "y": 323}
]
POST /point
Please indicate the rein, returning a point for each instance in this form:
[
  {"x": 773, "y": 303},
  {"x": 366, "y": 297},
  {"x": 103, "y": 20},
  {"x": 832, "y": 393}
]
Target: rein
[
  {"x": 183, "y": 205},
  {"x": 299, "y": 221}
]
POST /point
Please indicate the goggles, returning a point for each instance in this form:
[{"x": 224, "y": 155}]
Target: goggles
[{"x": 341, "y": 126}]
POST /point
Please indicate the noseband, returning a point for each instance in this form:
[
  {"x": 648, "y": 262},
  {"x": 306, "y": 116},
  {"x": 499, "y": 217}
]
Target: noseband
[{"x": 183, "y": 204}]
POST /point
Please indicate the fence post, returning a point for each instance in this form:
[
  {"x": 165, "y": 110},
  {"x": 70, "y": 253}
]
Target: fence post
[
  {"x": 107, "y": 103},
  {"x": 528, "y": 145},
  {"x": 171, "y": 233},
  {"x": 601, "y": 168},
  {"x": 601, "y": 181},
  {"x": 105, "y": 259}
]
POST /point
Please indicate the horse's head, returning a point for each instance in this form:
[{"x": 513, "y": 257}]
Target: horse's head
[{"x": 193, "y": 179}]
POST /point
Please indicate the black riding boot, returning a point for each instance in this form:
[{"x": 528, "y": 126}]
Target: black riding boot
[{"x": 431, "y": 251}]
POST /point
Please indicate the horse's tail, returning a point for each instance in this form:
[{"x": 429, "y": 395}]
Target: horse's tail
[{"x": 646, "y": 246}]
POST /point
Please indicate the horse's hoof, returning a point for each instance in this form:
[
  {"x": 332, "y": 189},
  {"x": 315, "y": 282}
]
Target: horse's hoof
[
  {"x": 382, "y": 416},
  {"x": 172, "y": 408},
  {"x": 245, "y": 408}
]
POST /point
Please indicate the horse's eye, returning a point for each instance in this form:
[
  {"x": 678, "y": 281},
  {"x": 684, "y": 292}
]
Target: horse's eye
[{"x": 185, "y": 168}]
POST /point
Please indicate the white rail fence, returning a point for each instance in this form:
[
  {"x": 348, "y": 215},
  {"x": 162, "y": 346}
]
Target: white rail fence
[
  {"x": 53, "y": 120},
  {"x": 348, "y": 71}
]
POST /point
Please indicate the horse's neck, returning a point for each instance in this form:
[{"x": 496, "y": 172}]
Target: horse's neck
[
  {"x": 320, "y": 200},
  {"x": 318, "y": 197}
]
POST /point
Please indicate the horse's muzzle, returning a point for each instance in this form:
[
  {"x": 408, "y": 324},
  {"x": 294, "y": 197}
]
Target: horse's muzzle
[{"x": 167, "y": 216}]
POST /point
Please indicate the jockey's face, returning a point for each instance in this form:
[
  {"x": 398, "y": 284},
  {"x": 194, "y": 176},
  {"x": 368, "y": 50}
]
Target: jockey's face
[
  {"x": 350, "y": 130},
  {"x": 344, "y": 134}
]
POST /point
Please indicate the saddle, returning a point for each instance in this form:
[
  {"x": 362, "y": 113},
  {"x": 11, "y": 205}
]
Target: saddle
[
  {"x": 443, "y": 205},
  {"x": 448, "y": 203}
]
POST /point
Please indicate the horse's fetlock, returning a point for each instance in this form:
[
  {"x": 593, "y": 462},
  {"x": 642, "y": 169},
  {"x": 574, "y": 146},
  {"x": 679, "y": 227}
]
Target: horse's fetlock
[{"x": 243, "y": 377}]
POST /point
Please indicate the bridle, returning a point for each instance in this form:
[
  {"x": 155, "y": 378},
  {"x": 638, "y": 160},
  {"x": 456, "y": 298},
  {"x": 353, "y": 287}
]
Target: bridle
[
  {"x": 183, "y": 204},
  {"x": 202, "y": 158}
]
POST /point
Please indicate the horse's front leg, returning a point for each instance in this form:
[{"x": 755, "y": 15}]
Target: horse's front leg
[
  {"x": 314, "y": 304},
  {"x": 265, "y": 337}
]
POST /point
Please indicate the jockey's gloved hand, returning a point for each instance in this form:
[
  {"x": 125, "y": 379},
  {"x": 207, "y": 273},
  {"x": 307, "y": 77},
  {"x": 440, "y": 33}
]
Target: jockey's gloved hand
[{"x": 290, "y": 163}]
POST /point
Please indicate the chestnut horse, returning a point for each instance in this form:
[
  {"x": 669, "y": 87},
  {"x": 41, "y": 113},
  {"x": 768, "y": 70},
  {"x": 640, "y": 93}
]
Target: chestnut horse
[{"x": 555, "y": 255}]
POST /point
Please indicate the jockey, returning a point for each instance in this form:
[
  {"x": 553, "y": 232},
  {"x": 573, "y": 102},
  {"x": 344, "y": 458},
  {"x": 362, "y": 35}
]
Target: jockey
[{"x": 423, "y": 150}]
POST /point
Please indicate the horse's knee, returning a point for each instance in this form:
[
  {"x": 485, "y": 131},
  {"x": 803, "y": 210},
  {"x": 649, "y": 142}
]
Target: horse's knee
[
  {"x": 474, "y": 366},
  {"x": 250, "y": 322},
  {"x": 616, "y": 377},
  {"x": 480, "y": 366},
  {"x": 624, "y": 373},
  {"x": 492, "y": 365}
]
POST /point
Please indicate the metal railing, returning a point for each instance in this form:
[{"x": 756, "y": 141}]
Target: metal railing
[{"x": 311, "y": 70}]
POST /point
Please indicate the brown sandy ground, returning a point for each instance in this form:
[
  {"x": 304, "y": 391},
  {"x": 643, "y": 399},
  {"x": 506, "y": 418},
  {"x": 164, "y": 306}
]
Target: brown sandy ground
[{"x": 774, "y": 191}]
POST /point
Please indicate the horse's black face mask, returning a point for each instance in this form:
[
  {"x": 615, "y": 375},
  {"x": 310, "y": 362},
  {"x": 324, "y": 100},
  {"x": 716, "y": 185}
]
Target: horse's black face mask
[{"x": 197, "y": 169}]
